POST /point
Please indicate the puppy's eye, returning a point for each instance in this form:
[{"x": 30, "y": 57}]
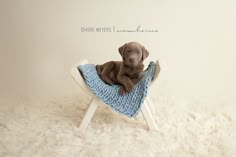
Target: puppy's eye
[{"x": 128, "y": 51}]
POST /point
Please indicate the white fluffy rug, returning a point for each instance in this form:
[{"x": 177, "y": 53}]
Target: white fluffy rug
[{"x": 49, "y": 128}]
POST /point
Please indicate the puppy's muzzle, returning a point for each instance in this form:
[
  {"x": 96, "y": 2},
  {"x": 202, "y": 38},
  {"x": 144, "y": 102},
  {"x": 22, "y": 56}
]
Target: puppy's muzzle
[{"x": 132, "y": 60}]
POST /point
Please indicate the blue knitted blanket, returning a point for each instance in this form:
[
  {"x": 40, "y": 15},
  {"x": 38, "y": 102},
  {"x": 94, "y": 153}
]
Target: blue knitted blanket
[{"x": 128, "y": 104}]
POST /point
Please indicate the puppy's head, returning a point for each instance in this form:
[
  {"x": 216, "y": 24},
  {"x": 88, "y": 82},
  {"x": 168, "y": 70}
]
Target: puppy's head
[{"x": 133, "y": 53}]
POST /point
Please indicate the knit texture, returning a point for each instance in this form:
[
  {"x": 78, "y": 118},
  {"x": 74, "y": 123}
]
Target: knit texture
[{"x": 128, "y": 104}]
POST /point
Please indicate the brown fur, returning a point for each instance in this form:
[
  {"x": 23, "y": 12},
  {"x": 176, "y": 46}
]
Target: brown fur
[{"x": 127, "y": 72}]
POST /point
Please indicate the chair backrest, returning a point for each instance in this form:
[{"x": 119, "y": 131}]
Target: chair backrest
[{"x": 158, "y": 69}]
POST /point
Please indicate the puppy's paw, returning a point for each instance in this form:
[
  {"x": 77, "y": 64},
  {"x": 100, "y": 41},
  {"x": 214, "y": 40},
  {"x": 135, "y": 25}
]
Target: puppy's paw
[
  {"x": 129, "y": 87},
  {"x": 126, "y": 90},
  {"x": 109, "y": 82},
  {"x": 122, "y": 91}
]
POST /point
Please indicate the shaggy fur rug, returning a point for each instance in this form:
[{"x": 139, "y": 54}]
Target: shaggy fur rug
[{"x": 49, "y": 128}]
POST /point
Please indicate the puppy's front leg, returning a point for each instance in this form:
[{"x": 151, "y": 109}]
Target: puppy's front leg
[
  {"x": 137, "y": 78},
  {"x": 127, "y": 84}
]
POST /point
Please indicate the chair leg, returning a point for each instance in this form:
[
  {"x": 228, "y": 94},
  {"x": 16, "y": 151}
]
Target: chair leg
[
  {"x": 150, "y": 104},
  {"x": 148, "y": 116},
  {"x": 89, "y": 114}
]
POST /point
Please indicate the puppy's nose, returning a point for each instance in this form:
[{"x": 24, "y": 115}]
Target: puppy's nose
[{"x": 131, "y": 60}]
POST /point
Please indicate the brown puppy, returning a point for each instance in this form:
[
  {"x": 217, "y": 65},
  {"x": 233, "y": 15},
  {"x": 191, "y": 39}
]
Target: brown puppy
[{"x": 127, "y": 72}]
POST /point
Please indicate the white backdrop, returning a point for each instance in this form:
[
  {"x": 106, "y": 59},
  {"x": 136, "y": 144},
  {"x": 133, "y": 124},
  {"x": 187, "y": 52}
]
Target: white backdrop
[{"x": 195, "y": 43}]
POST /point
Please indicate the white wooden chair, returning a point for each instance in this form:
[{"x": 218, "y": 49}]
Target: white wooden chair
[{"x": 147, "y": 108}]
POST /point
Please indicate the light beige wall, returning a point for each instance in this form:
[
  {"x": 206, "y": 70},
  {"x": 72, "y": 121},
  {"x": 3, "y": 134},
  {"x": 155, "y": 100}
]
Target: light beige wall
[{"x": 195, "y": 43}]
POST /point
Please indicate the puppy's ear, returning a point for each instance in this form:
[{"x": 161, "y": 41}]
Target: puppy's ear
[
  {"x": 122, "y": 50},
  {"x": 145, "y": 53}
]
